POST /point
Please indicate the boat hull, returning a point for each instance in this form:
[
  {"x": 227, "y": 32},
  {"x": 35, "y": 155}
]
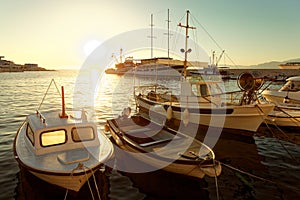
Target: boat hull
[
  {"x": 247, "y": 117},
  {"x": 174, "y": 167},
  {"x": 167, "y": 159},
  {"x": 68, "y": 181},
  {"x": 53, "y": 169},
  {"x": 279, "y": 97}
]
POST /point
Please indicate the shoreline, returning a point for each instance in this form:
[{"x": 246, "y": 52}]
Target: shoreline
[{"x": 2, "y": 70}]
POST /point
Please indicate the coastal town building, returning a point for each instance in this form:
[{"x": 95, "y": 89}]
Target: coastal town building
[{"x": 10, "y": 66}]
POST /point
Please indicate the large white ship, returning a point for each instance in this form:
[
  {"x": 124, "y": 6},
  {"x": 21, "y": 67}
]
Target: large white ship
[{"x": 290, "y": 65}]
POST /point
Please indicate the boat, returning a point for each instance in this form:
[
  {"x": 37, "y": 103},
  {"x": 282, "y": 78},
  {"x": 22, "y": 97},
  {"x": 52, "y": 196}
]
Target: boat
[
  {"x": 120, "y": 66},
  {"x": 287, "y": 116},
  {"x": 160, "y": 66},
  {"x": 203, "y": 101},
  {"x": 283, "y": 123},
  {"x": 289, "y": 93},
  {"x": 161, "y": 147},
  {"x": 60, "y": 148},
  {"x": 290, "y": 65}
]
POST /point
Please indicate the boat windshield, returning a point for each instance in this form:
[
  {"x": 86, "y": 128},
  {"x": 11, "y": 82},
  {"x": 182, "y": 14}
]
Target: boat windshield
[
  {"x": 291, "y": 86},
  {"x": 80, "y": 134},
  {"x": 204, "y": 89},
  {"x": 55, "y": 137}
]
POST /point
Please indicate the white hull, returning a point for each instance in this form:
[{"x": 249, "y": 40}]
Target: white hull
[
  {"x": 278, "y": 97},
  {"x": 285, "y": 117},
  {"x": 289, "y": 66},
  {"x": 71, "y": 182},
  {"x": 67, "y": 168},
  {"x": 248, "y": 117},
  {"x": 188, "y": 170},
  {"x": 156, "y": 154}
]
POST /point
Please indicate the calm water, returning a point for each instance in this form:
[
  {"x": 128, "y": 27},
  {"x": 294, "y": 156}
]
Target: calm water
[{"x": 21, "y": 94}]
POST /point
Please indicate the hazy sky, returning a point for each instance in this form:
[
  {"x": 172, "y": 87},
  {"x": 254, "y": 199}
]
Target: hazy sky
[{"x": 57, "y": 34}]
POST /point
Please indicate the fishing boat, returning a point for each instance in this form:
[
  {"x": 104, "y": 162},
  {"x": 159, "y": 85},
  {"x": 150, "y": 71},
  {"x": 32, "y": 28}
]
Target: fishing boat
[
  {"x": 161, "y": 147},
  {"x": 289, "y": 93},
  {"x": 62, "y": 149},
  {"x": 203, "y": 101}
]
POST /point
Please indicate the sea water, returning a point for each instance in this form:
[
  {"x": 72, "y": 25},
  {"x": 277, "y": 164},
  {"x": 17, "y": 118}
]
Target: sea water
[{"x": 275, "y": 163}]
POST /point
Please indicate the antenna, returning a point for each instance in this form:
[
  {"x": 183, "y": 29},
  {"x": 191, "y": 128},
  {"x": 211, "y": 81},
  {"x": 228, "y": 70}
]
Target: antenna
[
  {"x": 168, "y": 33},
  {"x": 186, "y": 51}
]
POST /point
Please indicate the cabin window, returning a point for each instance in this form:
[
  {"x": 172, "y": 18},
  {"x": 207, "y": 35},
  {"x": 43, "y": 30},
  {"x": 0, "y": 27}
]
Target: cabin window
[
  {"x": 203, "y": 90},
  {"x": 51, "y": 138},
  {"x": 30, "y": 134},
  {"x": 81, "y": 134}
]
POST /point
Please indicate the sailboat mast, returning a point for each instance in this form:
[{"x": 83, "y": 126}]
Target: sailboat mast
[
  {"x": 151, "y": 35},
  {"x": 168, "y": 33},
  {"x": 186, "y": 51},
  {"x": 121, "y": 52}
]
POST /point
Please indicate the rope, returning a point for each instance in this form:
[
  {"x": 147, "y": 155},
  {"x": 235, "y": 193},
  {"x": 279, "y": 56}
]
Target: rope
[
  {"x": 292, "y": 118},
  {"x": 258, "y": 177},
  {"x": 282, "y": 145},
  {"x": 292, "y": 157},
  {"x": 210, "y": 36},
  {"x": 216, "y": 180},
  {"x": 89, "y": 184},
  {"x": 52, "y": 81},
  {"x": 72, "y": 172},
  {"x": 81, "y": 166},
  {"x": 95, "y": 182}
]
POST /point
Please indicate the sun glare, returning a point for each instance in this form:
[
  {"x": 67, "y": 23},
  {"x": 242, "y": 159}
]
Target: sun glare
[{"x": 90, "y": 46}]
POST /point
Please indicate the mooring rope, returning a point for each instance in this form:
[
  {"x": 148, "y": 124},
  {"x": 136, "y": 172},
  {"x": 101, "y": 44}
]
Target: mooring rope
[
  {"x": 216, "y": 179},
  {"x": 260, "y": 178},
  {"x": 278, "y": 140},
  {"x": 52, "y": 81},
  {"x": 95, "y": 182},
  {"x": 283, "y": 146}
]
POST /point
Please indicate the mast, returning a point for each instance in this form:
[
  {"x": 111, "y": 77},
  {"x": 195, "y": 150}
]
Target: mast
[
  {"x": 186, "y": 51},
  {"x": 151, "y": 35},
  {"x": 121, "y": 51},
  {"x": 63, "y": 113},
  {"x": 168, "y": 33}
]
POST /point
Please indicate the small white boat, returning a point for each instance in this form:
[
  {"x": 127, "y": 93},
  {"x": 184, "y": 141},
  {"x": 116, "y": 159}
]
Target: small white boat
[
  {"x": 289, "y": 93},
  {"x": 285, "y": 116},
  {"x": 60, "y": 149},
  {"x": 162, "y": 148}
]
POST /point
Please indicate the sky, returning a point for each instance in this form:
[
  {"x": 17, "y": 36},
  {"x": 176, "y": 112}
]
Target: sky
[{"x": 60, "y": 34}]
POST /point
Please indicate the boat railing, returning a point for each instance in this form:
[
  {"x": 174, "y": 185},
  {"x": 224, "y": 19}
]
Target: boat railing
[{"x": 41, "y": 116}]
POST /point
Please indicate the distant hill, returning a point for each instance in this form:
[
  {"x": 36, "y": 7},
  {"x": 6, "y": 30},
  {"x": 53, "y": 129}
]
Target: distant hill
[{"x": 269, "y": 65}]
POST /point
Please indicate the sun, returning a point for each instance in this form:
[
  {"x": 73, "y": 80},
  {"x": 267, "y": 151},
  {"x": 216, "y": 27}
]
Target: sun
[{"x": 90, "y": 46}]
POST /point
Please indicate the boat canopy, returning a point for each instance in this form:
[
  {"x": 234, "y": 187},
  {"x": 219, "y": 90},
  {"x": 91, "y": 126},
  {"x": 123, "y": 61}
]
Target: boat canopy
[{"x": 46, "y": 137}]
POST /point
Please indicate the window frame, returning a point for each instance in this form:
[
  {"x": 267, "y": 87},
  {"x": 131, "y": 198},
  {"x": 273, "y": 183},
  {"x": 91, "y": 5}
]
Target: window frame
[
  {"x": 48, "y": 131},
  {"x": 76, "y": 141},
  {"x": 32, "y": 140}
]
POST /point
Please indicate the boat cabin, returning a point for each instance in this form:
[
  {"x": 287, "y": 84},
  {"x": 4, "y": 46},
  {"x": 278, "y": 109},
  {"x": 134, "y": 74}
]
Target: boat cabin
[
  {"x": 206, "y": 88},
  {"x": 47, "y": 133},
  {"x": 292, "y": 84}
]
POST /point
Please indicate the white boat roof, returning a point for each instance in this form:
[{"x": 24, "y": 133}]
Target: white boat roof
[
  {"x": 295, "y": 78},
  {"x": 51, "y": 119}
]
